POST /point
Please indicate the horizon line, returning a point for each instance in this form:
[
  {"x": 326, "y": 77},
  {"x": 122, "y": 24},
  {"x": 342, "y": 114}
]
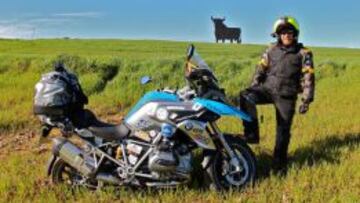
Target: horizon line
[{"x": 168, "y": 40}]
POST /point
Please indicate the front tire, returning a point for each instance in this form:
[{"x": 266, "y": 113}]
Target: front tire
[{"x": 220, "y": 174}]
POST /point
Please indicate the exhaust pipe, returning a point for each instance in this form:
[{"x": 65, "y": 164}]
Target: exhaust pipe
[
  {"x": 108, "y": 178},
  {"x": 163, "y": 184},
  {"x": 76, "y": 158},
  {"x": 73, "y": 156}
]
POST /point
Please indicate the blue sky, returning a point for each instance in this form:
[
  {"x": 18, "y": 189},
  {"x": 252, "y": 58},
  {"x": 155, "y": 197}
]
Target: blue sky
[{"x": 323, "y": 22}]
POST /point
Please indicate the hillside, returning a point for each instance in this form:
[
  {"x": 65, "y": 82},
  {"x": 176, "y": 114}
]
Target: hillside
[{"x": 325, "y": 145}]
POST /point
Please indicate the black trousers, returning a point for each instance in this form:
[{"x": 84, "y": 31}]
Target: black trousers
[{"x": 285, "y": 109}]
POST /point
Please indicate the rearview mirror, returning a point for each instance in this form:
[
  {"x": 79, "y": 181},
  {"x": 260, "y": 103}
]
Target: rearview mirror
[{"x": 145, "y": 79}]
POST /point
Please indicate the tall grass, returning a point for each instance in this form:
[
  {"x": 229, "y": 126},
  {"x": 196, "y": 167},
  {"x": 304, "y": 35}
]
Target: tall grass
[{"x": 325, "y": 142}]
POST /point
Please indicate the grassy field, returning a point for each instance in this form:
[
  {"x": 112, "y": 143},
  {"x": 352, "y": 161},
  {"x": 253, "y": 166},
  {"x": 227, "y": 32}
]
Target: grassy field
[{"x": 325, "y": 145}]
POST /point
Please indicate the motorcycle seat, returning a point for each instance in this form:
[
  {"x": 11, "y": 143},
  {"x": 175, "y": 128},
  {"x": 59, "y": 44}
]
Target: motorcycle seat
[{"x": 110, "y": 132}]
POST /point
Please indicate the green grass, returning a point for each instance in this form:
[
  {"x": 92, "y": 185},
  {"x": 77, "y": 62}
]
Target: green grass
[{"x": 324, "y": 147}]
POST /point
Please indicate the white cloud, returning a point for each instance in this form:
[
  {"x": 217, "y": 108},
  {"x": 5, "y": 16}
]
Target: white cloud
[
  {"x": 35, "y": 23},
  {"x": 13, "y": 31},
  {"x": 79, "y": 14},
  {"x": 48, "y": 21},
  {"x": 7, "y": 21}
]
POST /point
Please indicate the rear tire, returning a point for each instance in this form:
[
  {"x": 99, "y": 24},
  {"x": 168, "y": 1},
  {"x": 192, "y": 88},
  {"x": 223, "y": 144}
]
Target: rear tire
[
  {"x": 63, "y": 173},
  {"x": 217, "y": 176}
]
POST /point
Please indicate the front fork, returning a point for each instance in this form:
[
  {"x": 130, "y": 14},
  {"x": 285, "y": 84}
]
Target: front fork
[{"x": 234, "y": 161}]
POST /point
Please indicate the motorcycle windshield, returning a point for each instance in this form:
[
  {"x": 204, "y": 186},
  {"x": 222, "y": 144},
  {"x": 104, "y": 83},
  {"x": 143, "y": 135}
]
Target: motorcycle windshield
[
  {"x": 195, "y": 60},
  {"x": 222, "y": 109}
]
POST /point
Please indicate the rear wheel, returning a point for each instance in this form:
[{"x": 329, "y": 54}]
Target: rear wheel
[
  {"x": 223, "y": 174},
  {"x": 63, "y": 173}
]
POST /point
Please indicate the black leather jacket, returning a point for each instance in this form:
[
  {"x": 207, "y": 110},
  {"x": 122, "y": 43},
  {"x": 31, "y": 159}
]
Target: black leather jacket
[{"x": 286, "y": 71}]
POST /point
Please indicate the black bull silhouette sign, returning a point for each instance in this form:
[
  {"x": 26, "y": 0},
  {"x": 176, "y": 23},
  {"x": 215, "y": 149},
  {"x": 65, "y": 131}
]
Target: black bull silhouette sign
[{"x": 222, "y": 32}]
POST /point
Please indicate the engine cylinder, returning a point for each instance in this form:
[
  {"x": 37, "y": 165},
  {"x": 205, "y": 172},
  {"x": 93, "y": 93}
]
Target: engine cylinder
[{"x": 162, "y": 161}]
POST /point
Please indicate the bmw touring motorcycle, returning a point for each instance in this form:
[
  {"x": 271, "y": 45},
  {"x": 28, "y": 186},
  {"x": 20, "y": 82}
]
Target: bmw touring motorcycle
[{"x": 154, "y": 145}]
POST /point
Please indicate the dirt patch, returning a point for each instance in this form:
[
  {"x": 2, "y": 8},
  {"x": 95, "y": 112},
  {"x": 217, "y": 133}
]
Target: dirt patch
[
  {"x": 26, "y": 141},
  {"x": 20, "y": 143}
]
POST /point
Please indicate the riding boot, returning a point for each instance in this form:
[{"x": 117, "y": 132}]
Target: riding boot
[
  {"x": 249, "y": 98},
  {"x": 251, "y": 131}
]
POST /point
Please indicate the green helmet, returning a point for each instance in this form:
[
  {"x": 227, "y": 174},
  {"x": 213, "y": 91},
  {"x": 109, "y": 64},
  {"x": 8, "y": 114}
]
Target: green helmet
[{"x": 285, "y": 22}]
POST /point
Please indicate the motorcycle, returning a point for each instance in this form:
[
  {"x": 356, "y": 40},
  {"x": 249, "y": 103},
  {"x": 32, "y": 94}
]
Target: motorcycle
[{"x": 154, "y": 145}]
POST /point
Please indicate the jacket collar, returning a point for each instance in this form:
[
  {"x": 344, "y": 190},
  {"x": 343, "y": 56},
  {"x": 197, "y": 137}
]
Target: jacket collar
[{"x": 294, "y": 48}]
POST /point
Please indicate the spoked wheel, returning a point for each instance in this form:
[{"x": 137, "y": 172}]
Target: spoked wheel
[
  {"x": 63, "y": 173},
  {"x": 227, "y": 174}
]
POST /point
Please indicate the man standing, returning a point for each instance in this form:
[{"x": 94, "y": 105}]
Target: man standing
[{"x": 285, "y": 69}]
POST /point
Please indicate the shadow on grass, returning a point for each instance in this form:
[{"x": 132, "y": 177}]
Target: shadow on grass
[{"x": 326, "y": 150}]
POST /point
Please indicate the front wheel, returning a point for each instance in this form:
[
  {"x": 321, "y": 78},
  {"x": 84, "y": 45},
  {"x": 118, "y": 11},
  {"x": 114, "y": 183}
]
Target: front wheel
[{"x": 224, "y": 175}]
